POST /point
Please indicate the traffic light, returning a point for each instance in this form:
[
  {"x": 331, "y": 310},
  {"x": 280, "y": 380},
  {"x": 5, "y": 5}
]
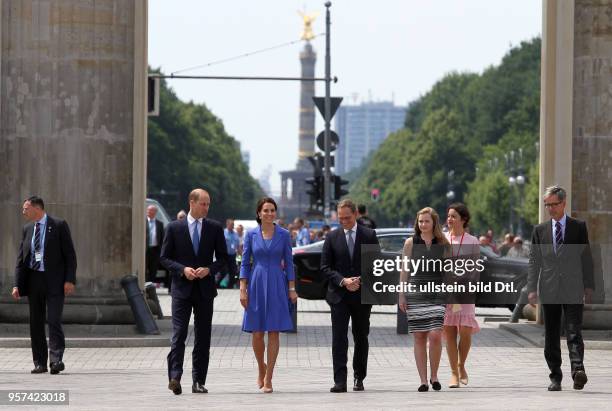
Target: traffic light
[
  {"x": 339, "y": 191},
  {"x": 153, "y": 96},
  {"x": 318, "y": 163},
  {"x": 375, "y": 194},
  {"x": 315, "y": 191}
]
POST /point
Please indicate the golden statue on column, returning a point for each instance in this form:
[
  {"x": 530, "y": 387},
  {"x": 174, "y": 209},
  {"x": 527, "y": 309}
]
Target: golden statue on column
[{"x": 307, "y": 34}]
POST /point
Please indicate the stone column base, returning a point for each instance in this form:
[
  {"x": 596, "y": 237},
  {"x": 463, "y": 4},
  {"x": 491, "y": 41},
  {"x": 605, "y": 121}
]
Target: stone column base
[
  {"x": 76, "y": 311},
  {"x": 597, "y": 317}
]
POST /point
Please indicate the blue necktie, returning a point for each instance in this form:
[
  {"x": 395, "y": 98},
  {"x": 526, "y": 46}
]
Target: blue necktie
[
  {"x": 350, "y": 243},
  {"x": 36, "y": 264},
  {"x": 150, "y": 233},
  {"x": 196, "y": 238}
]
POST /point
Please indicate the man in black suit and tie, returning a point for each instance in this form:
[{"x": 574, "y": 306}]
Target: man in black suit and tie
[
  {"x": 188, "y": 251},
  {"x": 46, "y": 273},
  {"x": 155, "y": 238},
  {"x": 341, "y": 262},
  {"x": 561, "y": 274}
]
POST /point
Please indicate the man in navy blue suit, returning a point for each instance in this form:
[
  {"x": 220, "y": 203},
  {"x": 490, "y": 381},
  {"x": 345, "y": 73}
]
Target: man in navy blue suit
[
  {"x": 193, "y": 252},
  {"x": 343, "y": 262},
  {"x": 46, "y": 273}
]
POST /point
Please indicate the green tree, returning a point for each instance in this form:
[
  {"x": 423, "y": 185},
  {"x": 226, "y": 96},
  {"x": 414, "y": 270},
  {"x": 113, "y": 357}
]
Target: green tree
[
  {"x": 411, "y": 170},
  {"x": 488, "y": 199},
  {"x": 529, "y": 210},
  {"x": 188, "y": 147},
  {"x": 466, "y": 123}
]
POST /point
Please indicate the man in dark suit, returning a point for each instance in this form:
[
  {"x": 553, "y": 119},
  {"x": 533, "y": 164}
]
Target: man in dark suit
[
  {"x": 363, "y": 218},
  {"x": 155, "y": 238},
  {"x": 46, "y": 273},
  {"x": 341, "y": 262},
  {"x": 561, "y": 274},
  {"x": 193, "y": 252}
]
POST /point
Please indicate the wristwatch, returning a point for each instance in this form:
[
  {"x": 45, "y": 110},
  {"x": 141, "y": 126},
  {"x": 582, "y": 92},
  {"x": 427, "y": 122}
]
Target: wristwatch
[{"x": 292, "y": 289}]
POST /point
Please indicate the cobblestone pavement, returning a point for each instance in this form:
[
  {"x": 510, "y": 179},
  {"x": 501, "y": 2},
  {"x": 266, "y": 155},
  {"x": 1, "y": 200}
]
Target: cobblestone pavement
[{"x": 506, "y": 371}]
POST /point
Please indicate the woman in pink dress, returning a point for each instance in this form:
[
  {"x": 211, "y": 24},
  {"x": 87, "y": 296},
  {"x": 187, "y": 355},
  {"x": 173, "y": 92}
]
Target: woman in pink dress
[{"x": 460, "y": 319}]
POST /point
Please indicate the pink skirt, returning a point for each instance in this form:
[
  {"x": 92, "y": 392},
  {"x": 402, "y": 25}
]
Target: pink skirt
[{"x": 466, "y": 317}]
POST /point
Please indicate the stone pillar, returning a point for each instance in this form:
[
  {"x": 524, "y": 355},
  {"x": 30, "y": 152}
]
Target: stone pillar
[
  {"x": 308, "y": 59},
  {"x": 592, "y": 135},
  {"x": 73, "y": 130},
  {"x": 556, "y": 97},
  {"x": 576, "y": 127}
]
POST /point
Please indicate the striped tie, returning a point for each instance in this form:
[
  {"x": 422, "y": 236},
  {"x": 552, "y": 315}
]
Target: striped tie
[
  {"x": 558, "y": 236},
  {"x": 36, "y": 264}
]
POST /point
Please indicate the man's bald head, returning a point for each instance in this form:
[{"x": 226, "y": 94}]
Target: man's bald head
[{"x": 151, "y": 211}]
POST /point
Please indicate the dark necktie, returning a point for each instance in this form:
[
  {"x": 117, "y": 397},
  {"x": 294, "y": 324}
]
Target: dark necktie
[
  {"x": 351, "y": 243},
  {"x": 36, "y": 264},
  {"x": 558, "y": 236}
]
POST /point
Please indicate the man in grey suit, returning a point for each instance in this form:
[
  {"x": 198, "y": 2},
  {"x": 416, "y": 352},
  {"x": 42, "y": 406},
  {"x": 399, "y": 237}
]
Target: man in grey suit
[{"x": 561, "y": 274}]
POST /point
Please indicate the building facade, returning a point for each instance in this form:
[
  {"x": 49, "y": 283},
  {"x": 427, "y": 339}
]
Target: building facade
[{"x": 362, "y": 128}]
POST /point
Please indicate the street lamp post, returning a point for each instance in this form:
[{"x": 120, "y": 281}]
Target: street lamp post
[
  {"x": 512, "y": 182},
  {"x": 328, "y": 115},
  {"x": 450, "y": 193},
  {"x": 520, "y": 182}
]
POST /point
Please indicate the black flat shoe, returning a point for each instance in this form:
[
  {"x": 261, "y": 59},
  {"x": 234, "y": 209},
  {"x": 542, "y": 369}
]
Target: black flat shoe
[
  {"x": 423, "y": 388},
  {"x": 198, "y": 388},
  {"x": 56, "y": 367},
  {"x": 435, "y": 385},
  {"x": 338, "y": 388},
  {"x": 39, "y": 369},
  {"x": 554, "y": 386},
  {"x": 358, "y": 385},
  {"x": 175, "y": 387}
]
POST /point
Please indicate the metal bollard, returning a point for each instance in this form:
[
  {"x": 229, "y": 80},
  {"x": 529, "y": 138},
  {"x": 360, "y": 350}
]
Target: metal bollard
[
  {"x": 142, "y": 314},
  {"x": 151, "y": 293},
  {"x": 402, "y": 322},
  {"x": 517, "y": 313}
]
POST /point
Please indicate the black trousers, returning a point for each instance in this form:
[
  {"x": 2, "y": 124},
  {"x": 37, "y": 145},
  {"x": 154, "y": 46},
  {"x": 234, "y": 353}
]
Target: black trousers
[
  {"x": 359, "y": 314},
  {"x": 573, "y": 333},
  {"x": 152, "y": 262},
  {"x": 181, "y": 312},
  {"x": 45, "y": 305},
  {"x": 232, "y": 270}
]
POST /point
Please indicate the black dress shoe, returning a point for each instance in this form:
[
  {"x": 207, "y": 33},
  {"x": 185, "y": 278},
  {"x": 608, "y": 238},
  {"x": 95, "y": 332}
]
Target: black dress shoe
[
  {"x": 358, "y": 385},
  {"x": 423, "y": 388},
  {"x": 198, "y": 388},
  {"x": 39, "y": 369},
  {"x": 338, "y": 388},
  {"x": 580, "y": 379},
  {"x": 554, "y": 386},
  {"x": 435, "y": 385},
  {"x": 56, "y": 367},
  {"x": 175, "y": 387}
]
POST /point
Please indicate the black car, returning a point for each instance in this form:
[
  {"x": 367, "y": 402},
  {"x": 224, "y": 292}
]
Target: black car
[{"x": 311, "y": 284}]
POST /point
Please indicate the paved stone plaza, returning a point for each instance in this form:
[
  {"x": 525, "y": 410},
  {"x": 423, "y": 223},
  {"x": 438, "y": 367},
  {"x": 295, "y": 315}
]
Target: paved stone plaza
[{"x": 506, "y": 371}]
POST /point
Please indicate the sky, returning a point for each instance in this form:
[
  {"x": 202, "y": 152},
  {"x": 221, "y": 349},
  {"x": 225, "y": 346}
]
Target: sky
[{"x": 380, "y": 51}]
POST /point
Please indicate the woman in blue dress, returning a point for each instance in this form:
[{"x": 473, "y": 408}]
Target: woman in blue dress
[{"x": 267, "y": 287}]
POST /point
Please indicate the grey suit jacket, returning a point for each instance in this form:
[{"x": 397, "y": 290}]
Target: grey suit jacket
[{"x": 560, "y": 277}]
